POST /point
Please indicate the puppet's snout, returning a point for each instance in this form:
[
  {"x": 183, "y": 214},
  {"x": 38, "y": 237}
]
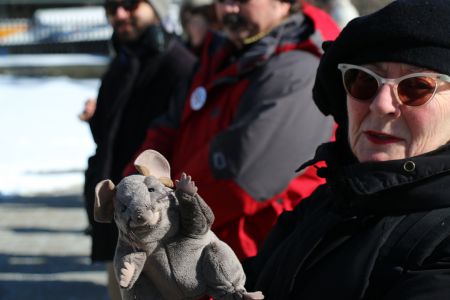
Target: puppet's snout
[
  {"x": 145, "y": 217},
  {"x": 140, "y": 216}
]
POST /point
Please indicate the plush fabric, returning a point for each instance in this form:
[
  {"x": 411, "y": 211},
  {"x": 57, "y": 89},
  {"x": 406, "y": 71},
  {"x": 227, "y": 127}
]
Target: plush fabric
[{"x": 166, "y": 249}]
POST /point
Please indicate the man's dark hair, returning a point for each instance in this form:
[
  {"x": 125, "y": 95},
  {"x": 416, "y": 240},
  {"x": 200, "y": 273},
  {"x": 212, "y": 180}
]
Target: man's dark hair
[{"x": 296, "y": 6}]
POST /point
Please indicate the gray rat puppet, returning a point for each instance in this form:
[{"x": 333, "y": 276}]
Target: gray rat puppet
[{"x": 166, "y": 249}]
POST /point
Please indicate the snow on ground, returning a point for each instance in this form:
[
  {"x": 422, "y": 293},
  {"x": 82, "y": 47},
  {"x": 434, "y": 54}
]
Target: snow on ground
[
  {"x": 43, "y": 145},
  {"x": 51, "y": 60}
]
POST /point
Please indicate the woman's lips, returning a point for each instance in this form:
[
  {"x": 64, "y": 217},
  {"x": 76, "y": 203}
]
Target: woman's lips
[{"x": 380, "y": 138}]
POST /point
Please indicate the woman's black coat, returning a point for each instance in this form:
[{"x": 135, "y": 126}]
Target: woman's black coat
[{"x": 377, "y": 230}]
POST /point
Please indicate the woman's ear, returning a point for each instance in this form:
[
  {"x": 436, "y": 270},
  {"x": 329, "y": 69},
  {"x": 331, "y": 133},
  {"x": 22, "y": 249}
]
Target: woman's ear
[{"x": 104, "y": 201}]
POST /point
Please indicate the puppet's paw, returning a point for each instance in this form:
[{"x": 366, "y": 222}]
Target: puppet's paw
[
  {"x": 253, "y": 296},
  {"x": 126, "y": 274},
  {"x": 186, "y": 184}
]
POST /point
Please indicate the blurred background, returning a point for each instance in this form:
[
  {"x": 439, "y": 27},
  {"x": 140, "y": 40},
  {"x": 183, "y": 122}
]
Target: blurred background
[{"x": 52, "y": 54}]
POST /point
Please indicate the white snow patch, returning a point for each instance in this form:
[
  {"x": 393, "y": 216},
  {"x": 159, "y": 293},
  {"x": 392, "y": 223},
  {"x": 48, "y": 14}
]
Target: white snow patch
[{"x": 44, "y": 147}]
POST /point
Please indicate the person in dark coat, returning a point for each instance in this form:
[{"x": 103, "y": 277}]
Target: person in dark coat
[
  {"x": 144, "y": 74},
  {"x": 380, "y": 226}
]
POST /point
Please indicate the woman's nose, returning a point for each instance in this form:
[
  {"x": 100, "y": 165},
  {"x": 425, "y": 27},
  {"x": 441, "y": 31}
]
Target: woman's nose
[{"x": 385, "y": 102}]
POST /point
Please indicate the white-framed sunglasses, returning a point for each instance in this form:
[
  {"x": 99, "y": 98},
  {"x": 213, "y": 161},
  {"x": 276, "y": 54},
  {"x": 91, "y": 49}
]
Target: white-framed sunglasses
[{"x": 414, "y": 89}]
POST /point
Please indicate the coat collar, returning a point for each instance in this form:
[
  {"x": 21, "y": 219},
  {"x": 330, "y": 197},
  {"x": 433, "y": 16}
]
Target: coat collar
[
  {"x": 396, "y": 186},
  {"x": 152, "y": 41},
  {"x": 222, "y": 62},
  {"x": 296, "y": 32}
]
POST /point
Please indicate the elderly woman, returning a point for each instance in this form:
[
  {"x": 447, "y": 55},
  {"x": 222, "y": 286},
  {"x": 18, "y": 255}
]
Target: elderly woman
[{"x": 380, "y": 227}]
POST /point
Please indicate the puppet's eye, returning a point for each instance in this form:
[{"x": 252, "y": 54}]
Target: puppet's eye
[
  {"x": 124, "y": 208},
  {"x": 151, "y": 190}
]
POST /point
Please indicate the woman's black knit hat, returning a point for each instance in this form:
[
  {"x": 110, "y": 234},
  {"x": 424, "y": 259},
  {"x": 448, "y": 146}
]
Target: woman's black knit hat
[{"x": 415, "y": 32}]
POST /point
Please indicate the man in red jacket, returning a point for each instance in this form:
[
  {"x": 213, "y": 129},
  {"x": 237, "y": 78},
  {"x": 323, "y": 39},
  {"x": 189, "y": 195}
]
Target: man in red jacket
[{"x": 247, "y": 119}]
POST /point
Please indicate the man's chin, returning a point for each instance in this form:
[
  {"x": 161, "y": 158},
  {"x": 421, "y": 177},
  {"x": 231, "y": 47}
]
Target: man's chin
[
  {"x": 126, "y": 36},
  {"x": 237, "y": 36}
]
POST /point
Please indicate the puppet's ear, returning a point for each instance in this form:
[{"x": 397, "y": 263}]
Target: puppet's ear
[
  {"x": 167, "y": 182},
  {"x": 104, "y": 201},
  {"x": 151, "y": 162}
]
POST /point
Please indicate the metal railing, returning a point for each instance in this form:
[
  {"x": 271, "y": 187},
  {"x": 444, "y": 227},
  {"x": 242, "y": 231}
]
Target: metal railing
[{"x": 63, "y": 29}]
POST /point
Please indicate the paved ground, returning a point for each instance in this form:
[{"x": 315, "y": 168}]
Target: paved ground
[{"x": 43, "y": 251}]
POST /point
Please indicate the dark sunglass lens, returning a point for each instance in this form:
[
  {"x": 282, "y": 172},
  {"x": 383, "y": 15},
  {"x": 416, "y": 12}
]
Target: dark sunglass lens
[
  {"x": 111, "y": 7},
  {"x": 360, "y": 85},
  {"x": 130, "y": 4},
  {"x": 416, "y": 91}
]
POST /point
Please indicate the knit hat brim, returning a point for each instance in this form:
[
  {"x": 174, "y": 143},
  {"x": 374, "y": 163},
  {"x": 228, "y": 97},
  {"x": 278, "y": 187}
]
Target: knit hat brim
[{"x": 161, "y": 8}]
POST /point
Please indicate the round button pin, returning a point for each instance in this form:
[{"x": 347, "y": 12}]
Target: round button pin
[
  {"x": 198, "y": 98},
  {"x": 219, "y": 160}
]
